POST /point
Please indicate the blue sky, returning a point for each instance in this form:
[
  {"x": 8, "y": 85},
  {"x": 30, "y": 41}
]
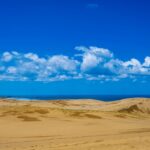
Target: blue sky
[{"x": 74, "y": 47}]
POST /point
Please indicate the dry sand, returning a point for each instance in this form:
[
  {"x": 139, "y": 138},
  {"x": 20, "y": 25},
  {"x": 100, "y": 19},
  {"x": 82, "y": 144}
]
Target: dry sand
[{"x": 75, "y": 125}]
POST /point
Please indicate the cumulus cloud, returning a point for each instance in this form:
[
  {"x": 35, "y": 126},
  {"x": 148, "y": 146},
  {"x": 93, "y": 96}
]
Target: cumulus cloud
[
  {"x": 92, "y": 63},
  {"x": 6, "y": 57},
  {"x": 93, "y": 58},
  {"x": 134, "y": 67},
  {"x": 147, "y": 62}
]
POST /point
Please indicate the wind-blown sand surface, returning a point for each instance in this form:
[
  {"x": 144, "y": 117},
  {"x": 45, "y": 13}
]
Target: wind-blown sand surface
[{"x": 75, "y": 125}]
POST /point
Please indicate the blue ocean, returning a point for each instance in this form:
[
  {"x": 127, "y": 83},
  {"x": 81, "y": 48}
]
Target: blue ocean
[{"x": 62, "y": 97}]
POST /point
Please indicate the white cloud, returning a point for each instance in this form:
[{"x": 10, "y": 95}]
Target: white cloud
[
  {"x": 134, "y": 66},
  {"x": 12, "y": 70},
  {"x": 93, "y": 57},
  {"x": 15, "y": 53},
  {"x": 89, "y": 61},
  {"x": 93, "y": 64},
  {"x": 147, "y": 62},
  {"x": 6, "y": 56},
  {"x": 95, "y": 50},
  {"x": 60, "y": 62},
  {"x": 132, "y": 62},
  {"x": 115, "y": 66},
  {"x": 31, "y": 56}
]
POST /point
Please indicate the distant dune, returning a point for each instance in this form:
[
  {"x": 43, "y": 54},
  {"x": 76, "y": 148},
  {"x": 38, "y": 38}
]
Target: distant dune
[{"x": 75, "y": 124}]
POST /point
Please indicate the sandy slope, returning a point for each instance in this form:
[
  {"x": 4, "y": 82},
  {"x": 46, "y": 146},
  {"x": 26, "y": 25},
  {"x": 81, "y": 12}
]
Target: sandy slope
[{"x": 75, "y": 124}]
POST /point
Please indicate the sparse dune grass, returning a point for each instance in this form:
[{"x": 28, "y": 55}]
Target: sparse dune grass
[
  {"x": 10, "y": 112},
  {"x": 76, "y": 114},
  {"x": 120, "y": 115},
  {"x": 41, "y": 111},
  {"x": 92, "y": 116},
  {"x": 84, "y": 114},
  {"x": 131, "y": 109},
  {"x": 27, "y": 118}
]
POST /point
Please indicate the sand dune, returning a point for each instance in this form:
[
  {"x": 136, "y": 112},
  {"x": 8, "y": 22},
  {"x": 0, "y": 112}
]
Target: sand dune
[{"x": 75, "y": 124}]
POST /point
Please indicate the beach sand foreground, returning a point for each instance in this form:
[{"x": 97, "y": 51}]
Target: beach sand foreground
[{"x": 75, "y": 125}]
